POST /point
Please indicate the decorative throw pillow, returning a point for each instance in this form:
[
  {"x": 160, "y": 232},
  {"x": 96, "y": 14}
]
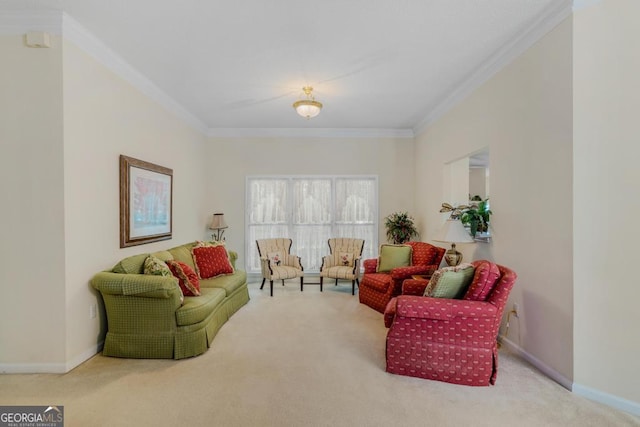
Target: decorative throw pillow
[
  {"x": 393, "y": 256},
  {"x": 484, "y": 279},
  {"x": 211, "y": 261},
  {"x": 346, "y": 259},
  {"x": 201, "y": 243},
  {"x": 156, "y": 266},
  {"x": 275, "y": 258},
  {"x": 450, "y": 282},
  {"x": 187, "y": 278}
]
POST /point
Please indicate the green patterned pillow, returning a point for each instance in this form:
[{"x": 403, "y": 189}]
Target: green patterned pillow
[
  {"x": 450, "y": 282},
  {"x": 157, "y": 267},
  {"x": 393, "y": 256}
]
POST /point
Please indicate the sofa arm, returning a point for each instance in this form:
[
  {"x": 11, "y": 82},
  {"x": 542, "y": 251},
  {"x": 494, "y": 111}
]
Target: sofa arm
[
  {"x": 442, "y": 308},
  {"x": 327, "y": 262},
  {"x": 142, "y": 285},
  {"x": 233, "y": 256},
  {"x": 414, "y": 287},
  {"x": 370, "y": 265},
  {"x": 293, "y": 261}
]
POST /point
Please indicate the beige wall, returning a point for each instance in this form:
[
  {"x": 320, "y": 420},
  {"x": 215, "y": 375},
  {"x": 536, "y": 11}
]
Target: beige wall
[
  {"x": 31, "y": 178},
  {"x": 66, "y": 120},
  {"x": 233, "y": 159},
  {"x": 104, "y": 117},
  {"x": 606, "y": 175},
  {"x": 523, "y": 114}
]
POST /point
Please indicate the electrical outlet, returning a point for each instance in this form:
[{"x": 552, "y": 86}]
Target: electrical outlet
[
  {"x": 92, "y": 311},
  {"x": 516, "y": 309}
]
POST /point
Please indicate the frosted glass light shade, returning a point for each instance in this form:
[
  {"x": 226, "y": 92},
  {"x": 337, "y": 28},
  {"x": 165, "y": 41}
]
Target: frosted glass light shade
[{"x": 307, "y": 108}]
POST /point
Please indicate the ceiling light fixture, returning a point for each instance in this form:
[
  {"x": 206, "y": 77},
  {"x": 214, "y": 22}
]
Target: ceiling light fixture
[{"x": 308, "y": 107}]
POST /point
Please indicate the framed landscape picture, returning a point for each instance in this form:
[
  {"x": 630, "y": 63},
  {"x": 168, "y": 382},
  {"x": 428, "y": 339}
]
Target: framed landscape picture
[{"x": 146, "y": 196}]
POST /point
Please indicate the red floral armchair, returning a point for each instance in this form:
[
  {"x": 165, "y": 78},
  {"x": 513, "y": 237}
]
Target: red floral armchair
[
  {"x": 447, "y": 339},
  {"x": 376, "y": 289}
]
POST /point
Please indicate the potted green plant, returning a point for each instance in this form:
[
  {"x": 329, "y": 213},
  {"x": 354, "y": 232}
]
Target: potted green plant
[
  {"x": 400, "y": 227},
  {"x": 477, "y": 217}
]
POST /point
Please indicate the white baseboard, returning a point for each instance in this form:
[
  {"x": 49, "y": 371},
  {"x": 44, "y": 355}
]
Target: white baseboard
[
  {"x": 50, "y": 368},
  {"x": 590, "y": 393},
  {"x": 607, "y": 399},
  {"x": 84, "y": 356},
  {"x": 33, "y": 368},
  {"x": 546, "y": 369}
]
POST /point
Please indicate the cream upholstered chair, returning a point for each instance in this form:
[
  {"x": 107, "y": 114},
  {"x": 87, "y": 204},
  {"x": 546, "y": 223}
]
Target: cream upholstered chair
[
  {"x": 277, "y": 263},
  {"x": 343, "y": 261}
]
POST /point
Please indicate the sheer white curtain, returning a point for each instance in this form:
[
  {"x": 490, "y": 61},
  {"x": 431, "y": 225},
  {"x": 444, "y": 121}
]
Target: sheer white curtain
[{"x": 310, "y": 210}]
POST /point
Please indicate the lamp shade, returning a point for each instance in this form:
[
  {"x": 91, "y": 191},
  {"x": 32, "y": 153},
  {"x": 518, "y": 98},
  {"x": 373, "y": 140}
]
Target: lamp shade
[
  {"x": 453, "y": 232},
  {"x": 218, "y": 222}
]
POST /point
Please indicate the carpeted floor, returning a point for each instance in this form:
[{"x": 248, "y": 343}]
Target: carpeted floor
[{"x": 299, "y": 359}]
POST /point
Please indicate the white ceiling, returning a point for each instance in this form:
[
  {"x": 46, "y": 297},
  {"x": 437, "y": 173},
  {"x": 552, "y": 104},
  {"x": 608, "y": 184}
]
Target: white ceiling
[{"x": 375, "y": 64}]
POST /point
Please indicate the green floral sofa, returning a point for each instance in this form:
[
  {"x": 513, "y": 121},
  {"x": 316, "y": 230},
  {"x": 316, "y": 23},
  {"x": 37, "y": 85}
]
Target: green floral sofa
[{"x": 146, "y": 318}]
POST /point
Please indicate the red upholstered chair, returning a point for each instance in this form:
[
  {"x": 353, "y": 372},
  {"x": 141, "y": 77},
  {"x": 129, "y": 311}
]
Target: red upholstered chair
[
  {"x": 376, "y": 289},
  {"x": 445, "y": 339}
]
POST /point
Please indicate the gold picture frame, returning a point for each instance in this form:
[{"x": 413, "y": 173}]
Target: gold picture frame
[{"x": 146, "y": 202}]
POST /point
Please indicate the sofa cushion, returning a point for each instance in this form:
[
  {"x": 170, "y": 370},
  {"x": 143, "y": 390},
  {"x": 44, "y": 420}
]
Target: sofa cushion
[
  {"x": 163, "y": 255},
  {"x": 182, "y": 253},
  {"x": 484, "y": 279},
  {"x": 450, "y": 282},
  {"x": 211, "y": 261},
  {"x": 156, "y": 267},
  {"x": 392, "y": 256},
  {"x": 187, "y": 278},
  {"x": 197, "y": 309},
  {"x": 131, "y": 265},
  {"x": 230, "y": 283}
]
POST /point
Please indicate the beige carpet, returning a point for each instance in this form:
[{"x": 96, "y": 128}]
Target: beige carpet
[{"x": 299, "y": 359}]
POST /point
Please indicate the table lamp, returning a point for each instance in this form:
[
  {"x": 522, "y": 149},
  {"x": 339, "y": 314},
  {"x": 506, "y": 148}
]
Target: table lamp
[
  {"x": 453, "y": 232},
  {"x": 218, "y": 224}
]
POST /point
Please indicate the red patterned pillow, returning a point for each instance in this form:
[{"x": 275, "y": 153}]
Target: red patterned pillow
[
  {"x": 211, "y": 261},
  {"x": 423, "y": 253},
  {"x": 484, "y": 279},
  {"x": 187, "y": 278}
]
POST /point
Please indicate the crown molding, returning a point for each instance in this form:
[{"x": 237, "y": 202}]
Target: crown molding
[
  {"x": 86, "y": 41},
  {"x": 309, "y": 133},
  {"x": 18, "y": 22},
  {"x": 548, "y": 20}
]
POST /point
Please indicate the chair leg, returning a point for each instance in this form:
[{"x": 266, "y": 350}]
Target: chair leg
[
  {"x": 301, "y": 283},
  {"x": 336, "y": 282},
  {"x": 263, "y": 279},
  {"x": 353, "y": 287},
  {"x": 321, "y": 283},
  {"x": 271, "y": 286},
  {"x": 282, "y": 282}
]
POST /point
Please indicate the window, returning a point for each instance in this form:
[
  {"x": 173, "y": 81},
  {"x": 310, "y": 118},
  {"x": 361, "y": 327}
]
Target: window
[{"x": 310, "y": 210}]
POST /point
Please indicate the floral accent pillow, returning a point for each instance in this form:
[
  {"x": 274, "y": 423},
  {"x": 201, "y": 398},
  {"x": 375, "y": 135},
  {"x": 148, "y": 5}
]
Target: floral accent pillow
[
  {"x": 275, "y": 258},
  {"x": 187, "y": 278},
  {"x": 450, "y": 282},
  {"x": 156, "y": 267},
  {"x": 346, "y": 259},
  {"x": 211, "y": 261}
]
